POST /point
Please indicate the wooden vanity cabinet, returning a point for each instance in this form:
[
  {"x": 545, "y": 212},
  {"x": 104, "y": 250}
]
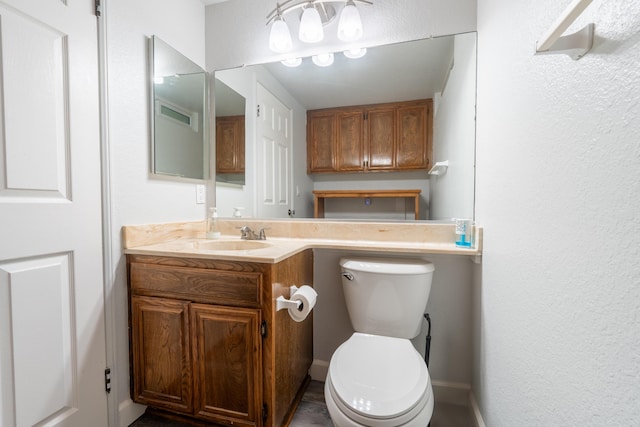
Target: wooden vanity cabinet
[
  {"x": 207, "y": 343},
  {"x": 370, "y": 138},
  {"x": 230, "y": 144}
]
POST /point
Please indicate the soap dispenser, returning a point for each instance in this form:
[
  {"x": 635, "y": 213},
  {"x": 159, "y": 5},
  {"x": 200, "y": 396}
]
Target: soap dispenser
[{"x": 213, "y": 230}]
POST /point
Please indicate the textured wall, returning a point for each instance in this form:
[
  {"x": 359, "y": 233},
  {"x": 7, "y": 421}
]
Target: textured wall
[
  {"x": 137, "y": 199},
  {"x": 454, "y": 136},
  {"x": 558, "y": 192}
]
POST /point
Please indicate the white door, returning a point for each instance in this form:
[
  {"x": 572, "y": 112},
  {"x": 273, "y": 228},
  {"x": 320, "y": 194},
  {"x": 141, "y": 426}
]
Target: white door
[
  {"x": 52, "y": 337},
  {"x": 274, "y": 156}
]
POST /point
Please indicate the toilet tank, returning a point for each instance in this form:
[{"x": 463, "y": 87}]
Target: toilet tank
[{"x": 386, "y": 296}]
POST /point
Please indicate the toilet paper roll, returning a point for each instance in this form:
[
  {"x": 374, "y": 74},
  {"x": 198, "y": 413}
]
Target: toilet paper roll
[{"x": 307, "y": 296}]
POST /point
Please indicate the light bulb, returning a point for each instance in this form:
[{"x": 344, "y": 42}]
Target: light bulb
[
  {"x": 310, "y": 26},
  {"x": 280, "y": 38},
  {"x": 350, "y": 24},
  {"x": 292, "y": 62},
  {"x": 323, "y": 60},
  {"x": 355, "y": 53}
]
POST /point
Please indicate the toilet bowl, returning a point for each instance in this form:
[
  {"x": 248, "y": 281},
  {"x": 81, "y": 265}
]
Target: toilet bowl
[
  {"x": 376, "y": 377},
  {"x": 378, "y": 381}
]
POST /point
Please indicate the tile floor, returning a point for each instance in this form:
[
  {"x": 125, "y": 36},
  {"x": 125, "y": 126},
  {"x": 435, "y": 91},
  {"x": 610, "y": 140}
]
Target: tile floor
[{"x": 312, "y": 412}]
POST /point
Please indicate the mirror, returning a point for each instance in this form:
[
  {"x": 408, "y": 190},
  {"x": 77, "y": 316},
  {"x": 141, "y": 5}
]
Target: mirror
[
  {"x": 230, "y": 134},
  {"x": 442, "y": 69},
  {"x": 179, "y": 147}
]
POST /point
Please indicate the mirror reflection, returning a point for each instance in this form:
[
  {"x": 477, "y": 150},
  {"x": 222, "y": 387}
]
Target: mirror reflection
[
  {"x": 179, "y": 119},
  {"x": 230, "y": 134},
  {"x": 442, "y": 70}
]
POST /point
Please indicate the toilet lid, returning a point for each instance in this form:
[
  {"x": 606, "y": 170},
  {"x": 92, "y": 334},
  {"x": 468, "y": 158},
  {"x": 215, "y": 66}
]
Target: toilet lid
[{"x": 378, "y": 377}]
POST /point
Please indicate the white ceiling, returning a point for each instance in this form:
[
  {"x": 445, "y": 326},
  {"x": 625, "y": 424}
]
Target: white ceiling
[
  {"x": 397, "y": 72},
  {"x": 208, "y": 2}
]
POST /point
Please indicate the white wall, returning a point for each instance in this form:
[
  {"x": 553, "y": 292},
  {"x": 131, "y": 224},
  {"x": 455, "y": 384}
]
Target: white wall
[
  {"x": 180, "y": 149},
  {"x": 390, "y": 209},
  {"x": 135, "y": 197},
  {"x": 449, "y": 308},
  {"x": 454, "y": 136},
  {"x": 558, "y": 192}
]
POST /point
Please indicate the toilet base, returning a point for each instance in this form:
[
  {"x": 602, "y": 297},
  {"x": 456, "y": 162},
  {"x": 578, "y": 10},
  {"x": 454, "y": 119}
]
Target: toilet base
[{"x": 340, "y": 419}]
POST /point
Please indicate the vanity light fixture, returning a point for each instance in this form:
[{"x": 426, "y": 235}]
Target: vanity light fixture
[
  {"x": 280, "y": 37},
  {"x": 350, "y": 24},
  {"x": 323, "y": 60},
  {"x": 310, "y": 25},
  {"x": 315, "y": 15},
  {"x": 292, "y": 62},
  {"x": 355, "y": 53}
]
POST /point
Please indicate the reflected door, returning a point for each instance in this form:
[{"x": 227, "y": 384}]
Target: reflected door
[
  {"x": 274, "y": 156},
  {"x": 52, "y": 337}
]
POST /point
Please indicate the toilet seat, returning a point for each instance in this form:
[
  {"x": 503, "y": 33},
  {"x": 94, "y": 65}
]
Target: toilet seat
[{"x": 376, "y": 378}]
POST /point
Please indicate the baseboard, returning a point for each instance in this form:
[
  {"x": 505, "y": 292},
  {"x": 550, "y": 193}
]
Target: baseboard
[
  {"x": 319, "y": 369},
  {"x": 129, "y": 411},
  {"x": 476, "y": 415},
  {"x": 450, "y": 392}
]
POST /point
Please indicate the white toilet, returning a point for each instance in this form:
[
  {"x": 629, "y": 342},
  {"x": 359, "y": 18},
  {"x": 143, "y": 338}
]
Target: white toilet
[{"x": 377, "y": 377}]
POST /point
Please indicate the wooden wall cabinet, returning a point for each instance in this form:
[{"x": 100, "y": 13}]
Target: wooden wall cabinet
[
  {"x": 230, "y": 144},
  {"x": 370, "y": 138},
  {"x": 207, "y": 343}
]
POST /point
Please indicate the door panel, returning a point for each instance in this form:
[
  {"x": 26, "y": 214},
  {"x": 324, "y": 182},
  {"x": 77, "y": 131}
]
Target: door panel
[
  {"x": 350, "y": 141},
  {"x": 321, "y": 130},
  {"x": 41, "y": 342},
  {"x": 227, "y": 359},
  {"x": 52, "y": 338},
  {"x": 162, "y": 365},
  {"x": 274, "y": 154},
  {"x": 382, "y": 148},
  {"x": 412, "y": 134}
]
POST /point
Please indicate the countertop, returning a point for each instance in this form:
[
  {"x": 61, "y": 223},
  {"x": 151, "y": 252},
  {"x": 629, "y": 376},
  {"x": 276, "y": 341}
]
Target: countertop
[{"x": 288, "y": 237}]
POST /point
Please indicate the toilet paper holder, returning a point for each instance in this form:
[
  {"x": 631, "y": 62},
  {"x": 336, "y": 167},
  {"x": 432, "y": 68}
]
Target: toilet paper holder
[{"x": 284, "y": 304}]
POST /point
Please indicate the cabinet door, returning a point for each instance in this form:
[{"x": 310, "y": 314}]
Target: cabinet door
[
  {"x": 240, "y": 146},
  {"x": 230, "y": 144},
  {"x": 321, "y": 141},
  {"x": 350, "y": 141},
  {"x": 413, "y": 143},
  {"x": 161, "y": 353},
  {"x": 227, "y": 364},
  {"x": 381, "y": 127}
]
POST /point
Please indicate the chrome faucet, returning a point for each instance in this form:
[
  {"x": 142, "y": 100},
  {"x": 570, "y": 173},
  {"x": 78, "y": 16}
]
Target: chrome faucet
[{"x": 247, "y": 233}]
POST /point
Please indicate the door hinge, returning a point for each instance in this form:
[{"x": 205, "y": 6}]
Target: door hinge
[
  {"x": 98, "y": 8},
  {"x": 107, "y": 380},
  {"x": 258, "y": 110},
  {"x": 265, "y": 411},
  {"x": 263, "y": 329}
]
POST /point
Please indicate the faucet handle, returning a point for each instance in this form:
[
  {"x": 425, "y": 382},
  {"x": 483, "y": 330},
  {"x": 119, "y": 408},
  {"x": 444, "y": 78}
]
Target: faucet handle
[
  {"x": 261, "y": 233},
  {"x": 245, "y": 232}
]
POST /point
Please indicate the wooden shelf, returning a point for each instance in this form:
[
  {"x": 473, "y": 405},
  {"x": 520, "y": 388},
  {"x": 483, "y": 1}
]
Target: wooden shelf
[{"x": 319, "y": 197}]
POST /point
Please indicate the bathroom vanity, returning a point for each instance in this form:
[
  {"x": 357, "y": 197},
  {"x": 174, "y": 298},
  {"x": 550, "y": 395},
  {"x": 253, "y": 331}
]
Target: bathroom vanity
[
  {"x": 206, "y": 340},
  {"x": 207, "y": 343}
]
